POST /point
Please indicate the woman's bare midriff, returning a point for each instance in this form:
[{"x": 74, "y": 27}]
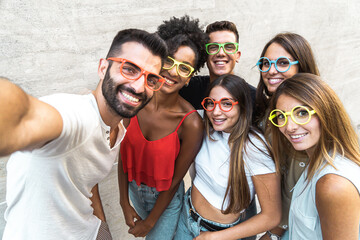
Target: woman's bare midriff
[{"x": 208, "y": 211}]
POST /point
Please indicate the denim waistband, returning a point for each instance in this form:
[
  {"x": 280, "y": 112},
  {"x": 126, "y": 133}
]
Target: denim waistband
[{"x": 208, "y": 224}]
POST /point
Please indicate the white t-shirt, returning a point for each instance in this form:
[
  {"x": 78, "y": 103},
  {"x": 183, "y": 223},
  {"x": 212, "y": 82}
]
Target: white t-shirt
[
  {"x": 48, "y": 189},
  {"x": 212, "y": 167}
]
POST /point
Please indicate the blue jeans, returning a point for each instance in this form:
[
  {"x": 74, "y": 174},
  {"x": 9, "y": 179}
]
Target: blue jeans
[
  {"x": 188, "y": 228},
  {"x": 144, "y": 198}
]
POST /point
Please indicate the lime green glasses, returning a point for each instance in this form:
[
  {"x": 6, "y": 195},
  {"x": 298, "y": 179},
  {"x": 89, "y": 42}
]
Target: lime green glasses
[
  {"x": 228, "y": 48},
  {"x": 299, "y": 114},
  {"x": 183, "y": 69}
]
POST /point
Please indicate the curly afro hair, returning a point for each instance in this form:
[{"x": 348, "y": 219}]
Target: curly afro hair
[{"x": 185, "y": 32}]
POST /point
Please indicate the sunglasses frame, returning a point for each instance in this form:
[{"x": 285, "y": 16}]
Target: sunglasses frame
[{"x": 142, "y": 72}]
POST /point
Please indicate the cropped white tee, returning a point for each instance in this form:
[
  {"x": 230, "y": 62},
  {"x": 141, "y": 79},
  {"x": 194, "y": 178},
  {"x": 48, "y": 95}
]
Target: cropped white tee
[
  {"x": 212, "y": 167},
  {"x": 48, "y": 189}
]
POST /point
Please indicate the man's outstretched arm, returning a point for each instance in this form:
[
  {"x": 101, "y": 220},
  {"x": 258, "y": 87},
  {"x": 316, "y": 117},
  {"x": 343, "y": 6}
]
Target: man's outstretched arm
[{"x": 25, "y": 122}]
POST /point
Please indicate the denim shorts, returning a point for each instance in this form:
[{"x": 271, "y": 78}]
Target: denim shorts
[
  {"x": 144, "y": 198},
  {"x": 188, "y": 228}
]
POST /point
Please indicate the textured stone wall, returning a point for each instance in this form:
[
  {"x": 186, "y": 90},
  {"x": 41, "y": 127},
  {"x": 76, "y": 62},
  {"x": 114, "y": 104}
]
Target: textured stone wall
[{"x": 54, "y": 46}]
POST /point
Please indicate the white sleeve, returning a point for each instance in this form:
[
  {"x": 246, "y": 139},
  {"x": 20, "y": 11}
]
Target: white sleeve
[
  {"x": 74, "y": 111},
  {"x": 66, "y": 109},
  {"x": 256, "y": 157}
]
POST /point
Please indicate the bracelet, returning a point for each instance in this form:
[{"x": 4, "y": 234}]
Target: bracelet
[{"x": 273, "y": 236}]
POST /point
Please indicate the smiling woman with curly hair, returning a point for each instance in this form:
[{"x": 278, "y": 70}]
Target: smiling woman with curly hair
[{"x": 163, "y": 139}]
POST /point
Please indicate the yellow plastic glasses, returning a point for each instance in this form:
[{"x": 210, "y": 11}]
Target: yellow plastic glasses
[
  {"x": 299, "y": 114},
  {"x": 182, "y": 69}
]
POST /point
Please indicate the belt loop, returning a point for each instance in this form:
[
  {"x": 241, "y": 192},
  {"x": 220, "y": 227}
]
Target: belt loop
[{"x": 199, "y": 225}]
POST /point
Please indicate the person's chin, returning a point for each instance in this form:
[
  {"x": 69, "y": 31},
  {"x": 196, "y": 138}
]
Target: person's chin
[
  {"x": 130, "y": 109},
  {"x": 130, "y": 112},
  {"x": 272, "y": 87},
  {"x": 222, "y": 71}
]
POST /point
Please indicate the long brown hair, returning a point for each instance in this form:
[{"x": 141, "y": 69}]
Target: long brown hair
[
  {"x": 300, "y": 50},
  {"x": 337, "y": 136},
  {"x": 237, "y": 188}
]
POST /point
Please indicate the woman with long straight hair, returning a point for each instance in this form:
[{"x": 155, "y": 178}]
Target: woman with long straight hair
[
  {"x": 283, "y": 56},
  {"x": 306, "y": 115},
  {"x": 232, "y": 165}
]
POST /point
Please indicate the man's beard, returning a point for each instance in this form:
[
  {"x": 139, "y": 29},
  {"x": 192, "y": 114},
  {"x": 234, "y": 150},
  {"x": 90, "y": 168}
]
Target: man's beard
[{"x": 110, "y": 92}]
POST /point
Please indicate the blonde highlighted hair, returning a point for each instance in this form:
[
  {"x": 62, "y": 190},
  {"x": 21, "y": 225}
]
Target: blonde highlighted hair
[{"x": 337, "y": 136}]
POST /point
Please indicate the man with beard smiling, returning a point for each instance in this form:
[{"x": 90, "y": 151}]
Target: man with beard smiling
[
  {"x": 64, "y": 144},
  {"x": 223, "y": 54}
]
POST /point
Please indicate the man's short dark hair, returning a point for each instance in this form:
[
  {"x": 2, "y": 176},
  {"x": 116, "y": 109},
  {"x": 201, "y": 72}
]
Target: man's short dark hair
[
  {"x": 222, "y": 26},
  {"x": 151, "y": 41}
]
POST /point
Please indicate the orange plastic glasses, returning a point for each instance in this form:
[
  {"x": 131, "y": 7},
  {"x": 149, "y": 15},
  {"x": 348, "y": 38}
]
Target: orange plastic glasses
[{"x": 132, "y": 71}]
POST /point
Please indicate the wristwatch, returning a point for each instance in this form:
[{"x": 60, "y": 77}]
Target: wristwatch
[{"x": 273, "y": 236}]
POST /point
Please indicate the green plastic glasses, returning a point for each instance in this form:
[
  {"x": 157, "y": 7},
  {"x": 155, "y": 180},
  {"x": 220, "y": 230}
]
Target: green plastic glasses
[{"x": 228, "y": 48}]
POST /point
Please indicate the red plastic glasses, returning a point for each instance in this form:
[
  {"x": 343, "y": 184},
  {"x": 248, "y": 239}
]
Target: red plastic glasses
[{"x": 225, "y": 104}]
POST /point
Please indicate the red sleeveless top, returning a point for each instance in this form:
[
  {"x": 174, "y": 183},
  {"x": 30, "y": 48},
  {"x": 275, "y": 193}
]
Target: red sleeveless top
[{"x": 150, "y": 162}]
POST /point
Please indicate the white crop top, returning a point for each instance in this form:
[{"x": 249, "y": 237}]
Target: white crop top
[{"x": 212, "y": 167}]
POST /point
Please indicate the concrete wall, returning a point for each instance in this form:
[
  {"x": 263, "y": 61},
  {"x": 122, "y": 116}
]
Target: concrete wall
[{"x": 54, "y": 46}]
